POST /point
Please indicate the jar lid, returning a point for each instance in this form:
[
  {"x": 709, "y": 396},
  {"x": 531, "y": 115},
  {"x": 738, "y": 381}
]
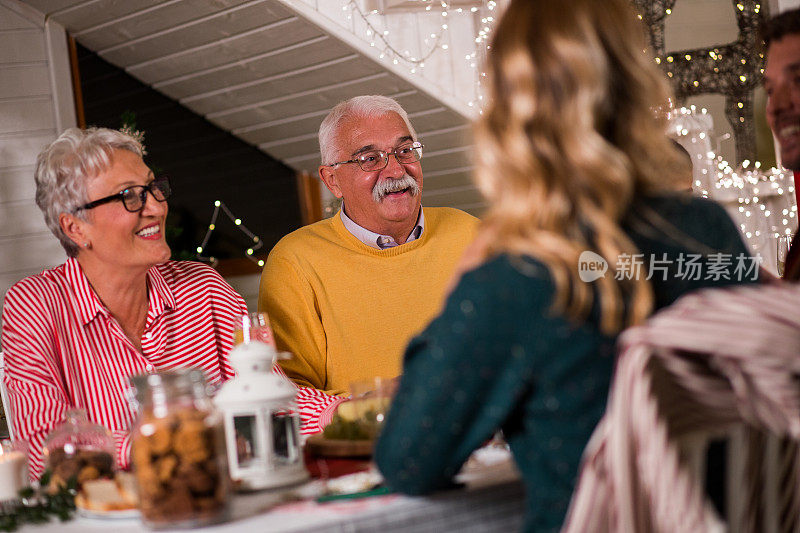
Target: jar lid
[
  {"x": 169, "y": 383},
  {"x": 77, "y": 432},
  {"x": 176, "y": 377}
]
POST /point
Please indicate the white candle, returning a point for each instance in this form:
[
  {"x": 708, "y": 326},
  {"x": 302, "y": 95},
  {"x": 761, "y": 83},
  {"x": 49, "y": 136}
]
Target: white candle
[{"x": 13, "y": 474}]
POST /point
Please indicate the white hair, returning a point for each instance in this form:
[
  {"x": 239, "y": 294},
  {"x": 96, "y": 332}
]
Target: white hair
[
  {"x": 63, "y": 167},
  {"x": 359, "y": 106}
]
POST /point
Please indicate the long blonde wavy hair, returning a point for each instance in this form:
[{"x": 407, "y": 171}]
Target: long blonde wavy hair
[{"x": 568, "y": 139}]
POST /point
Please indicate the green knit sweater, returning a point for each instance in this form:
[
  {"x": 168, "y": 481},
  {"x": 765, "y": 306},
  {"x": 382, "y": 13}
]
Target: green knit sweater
[{"x": 498, "y": 358}]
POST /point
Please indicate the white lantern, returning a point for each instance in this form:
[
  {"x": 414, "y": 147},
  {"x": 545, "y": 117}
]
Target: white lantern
[{"x": 262, "y": 426}]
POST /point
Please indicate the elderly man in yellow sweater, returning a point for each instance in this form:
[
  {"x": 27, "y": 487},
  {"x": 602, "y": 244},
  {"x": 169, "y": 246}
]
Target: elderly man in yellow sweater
[{"x": 346, "y": 294}]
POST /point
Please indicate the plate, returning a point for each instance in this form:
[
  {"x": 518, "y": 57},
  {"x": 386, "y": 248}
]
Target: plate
[
  {"x": 126, "y": 514},
  {"x": 319, "y": 445},
  {"x": 117, "y": 514}
]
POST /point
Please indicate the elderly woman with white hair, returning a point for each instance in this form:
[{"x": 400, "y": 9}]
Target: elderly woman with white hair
[{"x": 73, "y": 335}]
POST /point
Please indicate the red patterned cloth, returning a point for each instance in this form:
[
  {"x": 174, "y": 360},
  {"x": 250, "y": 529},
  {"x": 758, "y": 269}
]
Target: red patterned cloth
[
  {"x": 63, "y": 349},
  {"x": 791, "y": 271},
  {"x": 714, "y": 359},
  {"x": 796, "y": 190}
]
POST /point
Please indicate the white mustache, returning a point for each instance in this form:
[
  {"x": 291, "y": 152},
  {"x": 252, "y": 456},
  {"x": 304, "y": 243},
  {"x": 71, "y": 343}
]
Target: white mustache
[{"x": 382, "y": 188}]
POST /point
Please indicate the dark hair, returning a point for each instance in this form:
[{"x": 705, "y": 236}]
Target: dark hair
[{"x": 780, "y": 26}]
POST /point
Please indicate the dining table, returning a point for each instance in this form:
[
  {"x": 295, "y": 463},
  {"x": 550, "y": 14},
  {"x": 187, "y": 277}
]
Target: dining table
[{"x": 486, "y": 496}]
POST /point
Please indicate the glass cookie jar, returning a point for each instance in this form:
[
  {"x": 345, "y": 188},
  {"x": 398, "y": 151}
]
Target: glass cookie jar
[
  {"x": 79, "y": 448},
  {"x": 178, "y": 451}
]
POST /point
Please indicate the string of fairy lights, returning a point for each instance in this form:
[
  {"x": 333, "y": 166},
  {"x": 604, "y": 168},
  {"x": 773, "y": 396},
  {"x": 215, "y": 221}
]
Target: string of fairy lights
[
  {"x": 763, "y": 198},
  {"x": 374, "y": 35},
  {"x": 760, "y": 201},
  {"x": 378, "y": 36},
  {"x": 212, "y": 225},
  {"x": 732, "y": 69}
]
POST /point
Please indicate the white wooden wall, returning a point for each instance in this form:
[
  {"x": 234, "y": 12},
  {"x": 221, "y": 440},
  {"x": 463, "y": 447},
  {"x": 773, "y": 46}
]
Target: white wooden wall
[
  {"x": 36, "y": 103},
  {"x": 779, "y": 6}
]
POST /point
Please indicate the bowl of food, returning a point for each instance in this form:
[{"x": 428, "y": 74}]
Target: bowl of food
[{"x": 357, "y": 422}]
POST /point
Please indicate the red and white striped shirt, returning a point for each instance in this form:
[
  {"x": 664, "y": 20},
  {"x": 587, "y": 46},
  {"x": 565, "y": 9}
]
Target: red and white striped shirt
[{"x": 63, "y": 349}]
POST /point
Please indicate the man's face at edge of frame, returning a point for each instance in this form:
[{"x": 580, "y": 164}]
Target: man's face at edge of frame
[{"x": 782, "y": 84}]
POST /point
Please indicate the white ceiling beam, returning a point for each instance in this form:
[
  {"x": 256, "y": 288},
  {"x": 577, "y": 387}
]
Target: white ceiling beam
[
  {"x": 266, "y": 79},
  {"x": 213, "y": 44},
  {"x": 448, "y": 151},
  {"x": 304, "y": 116},
  {"x": 326, "y": 88},
  {"x": 118, "y": 20},
  {"x": 27, "y": 12},
  {"x": 444, "y": 131},
  {"x": 184, "y": 25},
  {"x": 279, "y": 122},
  {"x": 427, "y": 112},
  {"x": 290, "y": 140},
  {"x": 239, "y": 62},
  {"x": 73, "y": 7},
  {"x": 291, "y": 161}
]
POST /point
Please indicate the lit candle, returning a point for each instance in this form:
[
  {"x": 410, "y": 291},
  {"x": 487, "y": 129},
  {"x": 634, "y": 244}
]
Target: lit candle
[{"x": 13, "y": 470}]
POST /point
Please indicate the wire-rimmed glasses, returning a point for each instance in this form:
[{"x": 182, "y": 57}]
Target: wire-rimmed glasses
[{"x": 373, "y": 160}]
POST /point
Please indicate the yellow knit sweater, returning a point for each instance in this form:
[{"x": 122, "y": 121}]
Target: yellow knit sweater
[{"x": 346, "y": 310}]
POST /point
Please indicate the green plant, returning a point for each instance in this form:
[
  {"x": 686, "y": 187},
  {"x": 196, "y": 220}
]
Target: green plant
[{"x": 38, "y": 506}]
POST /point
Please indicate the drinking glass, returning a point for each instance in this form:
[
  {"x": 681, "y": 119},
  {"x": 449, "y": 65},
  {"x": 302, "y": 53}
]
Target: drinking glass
[
  {"x": 370, "y": 402},
  {"x": 782, "y": 242},
  {"x": 252, "y": 327}
]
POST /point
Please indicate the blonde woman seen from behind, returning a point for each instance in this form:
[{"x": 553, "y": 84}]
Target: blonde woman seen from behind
[{"x": 582, "y": 238}]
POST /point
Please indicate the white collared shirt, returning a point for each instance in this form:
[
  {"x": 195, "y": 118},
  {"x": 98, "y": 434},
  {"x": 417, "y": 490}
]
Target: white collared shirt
[{"x": 376, "y": 240}]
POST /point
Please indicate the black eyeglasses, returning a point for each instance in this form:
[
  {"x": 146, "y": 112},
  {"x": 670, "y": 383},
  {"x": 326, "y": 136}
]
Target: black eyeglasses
[
  {"x": 378, "y": 159},
  {"x": 135, "y": 196}
]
